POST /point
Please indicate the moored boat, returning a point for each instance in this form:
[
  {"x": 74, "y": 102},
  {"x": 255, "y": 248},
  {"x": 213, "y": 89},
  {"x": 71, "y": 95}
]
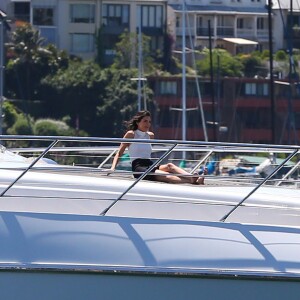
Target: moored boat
[{"x": 80, "y": 232}]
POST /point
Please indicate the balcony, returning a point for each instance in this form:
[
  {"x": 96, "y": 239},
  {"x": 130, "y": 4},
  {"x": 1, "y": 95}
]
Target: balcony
[
  {"x": 115, "y": 29},
  {"x": 188, "y": 31},
  {"x": 245, "y": 33},
  {"x": 263, "y": 34},
  {"x": 204, "y": 31},
  {"x": 225, "y": 31},
  {"x": 152, "y": 31},
  {"x": 295, "y": 33}
]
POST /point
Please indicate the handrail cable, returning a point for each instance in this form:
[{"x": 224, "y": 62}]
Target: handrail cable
[
  {"x": 30, "y": 166},
  {"x": 107, "y": 158},
  {"x": 291, "y": 171},
  {"x": 139, "y": 179},
  {"x": 202, "y": 160},
  {"x": 223, "y": 219}
]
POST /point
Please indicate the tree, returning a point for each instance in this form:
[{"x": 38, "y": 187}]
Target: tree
[
  {"x": 281, "y": 55},
  {"x": 21, "y": 126},
  {"x": 223, "y": 63},
  {"x": 29, "y": 61},
  {"x": 100, "y": 47},
  {"x": 127, "y": 52},
  {"x": 97, "y": 100},
  {"x": 52, "y": 127},
  {"x": 120, "y": 102},
  {"x": 10, "y": 115},
  {"x": 75, "y": 91},
  {"x": 253, "y": 65}
]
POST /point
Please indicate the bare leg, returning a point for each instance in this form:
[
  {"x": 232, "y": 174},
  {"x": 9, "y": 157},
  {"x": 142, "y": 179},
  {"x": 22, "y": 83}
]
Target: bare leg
[
  {"x": 173, "y": 169},
  {"x": 167, "y": 177}
]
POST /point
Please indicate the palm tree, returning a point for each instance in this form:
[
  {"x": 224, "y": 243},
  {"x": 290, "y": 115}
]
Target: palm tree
[{"x": 25, "y": 50}]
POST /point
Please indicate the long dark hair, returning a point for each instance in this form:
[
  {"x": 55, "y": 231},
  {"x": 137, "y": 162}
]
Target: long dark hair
[{"x": 132, "y": 124}]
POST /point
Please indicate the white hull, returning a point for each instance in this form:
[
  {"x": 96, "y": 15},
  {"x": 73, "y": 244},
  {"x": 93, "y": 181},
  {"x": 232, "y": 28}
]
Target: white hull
[
  {"x": 78, "y": 257},
  {"x": 158, "y": 241},
  {"x": 61, "y": 193},
  {"x": 49, "y": 285}
]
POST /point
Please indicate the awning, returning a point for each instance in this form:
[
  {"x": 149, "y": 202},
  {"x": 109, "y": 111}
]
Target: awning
[
  {"x": 2, "y": 14},
  {"x": 240, "y": 41}
]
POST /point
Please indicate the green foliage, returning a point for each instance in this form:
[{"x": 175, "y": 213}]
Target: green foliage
[
  {"x": 256, "y": 53},
  {"x": 10, "y": 114},
  {"x": 265, "y": 54},
  {"x": 22, "y": 126},
  {"x": 51, "y": 127},
  {"x": 99, "y": 47},
  {"x": 280, "y": 55},
  {"x": 167, "y": 59},
  {"x": 127, "y": 52},
  {"x": 253, "y": 65},
  {"x": 96, "y": 100},
  {"x": 223, "y": 62},
  {"x": 75, "y": 91},
  {"x": 29, "y": 61},
  {"x": 120, "y": 102},
  {"x": 86, "y": 96},
  {"x": 77, "y": 76}
]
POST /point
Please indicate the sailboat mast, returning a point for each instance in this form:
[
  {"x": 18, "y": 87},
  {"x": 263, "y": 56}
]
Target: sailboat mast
[
  {"x": 1, "y": 69},
  {"x": 139, "y": 65},
  {"x": 270, "y": 4},
  {"x": 183, "y": 74}
]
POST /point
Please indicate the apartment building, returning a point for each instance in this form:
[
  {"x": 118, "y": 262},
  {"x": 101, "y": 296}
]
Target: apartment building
[
  {"x": 73, "y": 24},
  {"x": 240, "y": 111},
  {"x": 236, "y": 25},
  {"x": 287, "y": 13}
]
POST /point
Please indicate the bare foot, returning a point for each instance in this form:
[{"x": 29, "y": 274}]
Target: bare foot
[
  {"x": 200, "y": 180},
  {"x": 197, "y": 180}
]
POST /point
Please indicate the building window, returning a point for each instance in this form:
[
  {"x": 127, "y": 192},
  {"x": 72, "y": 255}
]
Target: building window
[
  {"x": 178, "y": 25},
  {"x": 260, "y": 23},
  {"x": 22, "y": 11},
  {"x": 250, "y": 89},
  {"x": 82, "y": 13},
  {"x": 262, "y": 89},
  {"x": 199, "y": 22},
  {"x": 43, "y": 16},
  {"x": 256, "y": 89},
  {"x": 168, "y": 87},
  {"x": 151, "y": 15},
  {"x": 115, "y": 15},
  {"x": 297, "y": 120},
  {"x": 82, "y": 42},
  {"x": 240, "y": 23}
]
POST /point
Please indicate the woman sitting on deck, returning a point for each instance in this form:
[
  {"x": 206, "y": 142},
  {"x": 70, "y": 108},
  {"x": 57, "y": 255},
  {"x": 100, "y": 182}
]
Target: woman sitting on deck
[{"x": 140, "y": 154}]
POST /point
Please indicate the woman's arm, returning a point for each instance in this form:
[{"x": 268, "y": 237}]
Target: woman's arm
[
  {"x": 122, "y": 148},
  {"x": 151, "y": 134}
]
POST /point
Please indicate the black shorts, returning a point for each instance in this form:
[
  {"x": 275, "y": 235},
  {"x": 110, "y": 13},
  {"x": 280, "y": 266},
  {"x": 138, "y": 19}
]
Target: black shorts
[{"x": 141, "y": 165}]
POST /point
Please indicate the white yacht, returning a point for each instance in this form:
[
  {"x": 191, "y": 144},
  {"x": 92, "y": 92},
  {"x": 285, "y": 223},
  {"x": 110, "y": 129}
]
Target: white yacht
[{"x": 70, "y": 231}]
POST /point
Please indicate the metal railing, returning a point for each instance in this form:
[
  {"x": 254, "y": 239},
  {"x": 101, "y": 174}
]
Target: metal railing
[{"x": 201, "y": 154}]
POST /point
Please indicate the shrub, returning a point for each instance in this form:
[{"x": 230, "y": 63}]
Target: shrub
[
  {"x": 22, "y": 126},
  {"x": 10, "y": 114},
  {"x": 280, "y": 55},
  {"x": 49, "y": 127}
]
